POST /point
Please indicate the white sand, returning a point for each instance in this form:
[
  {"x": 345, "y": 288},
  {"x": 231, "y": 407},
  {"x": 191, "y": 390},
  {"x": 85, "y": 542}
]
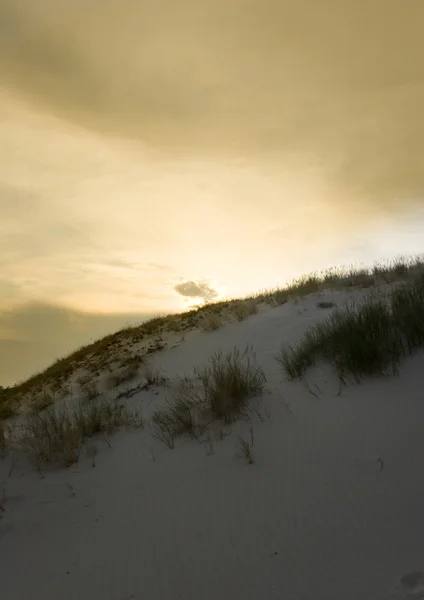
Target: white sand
[{"x": 332, "y": 508}]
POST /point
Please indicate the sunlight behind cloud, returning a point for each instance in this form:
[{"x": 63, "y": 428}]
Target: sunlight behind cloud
[
  {"x": 144, "y": 145},
  {"x": 85, "y": 225}
]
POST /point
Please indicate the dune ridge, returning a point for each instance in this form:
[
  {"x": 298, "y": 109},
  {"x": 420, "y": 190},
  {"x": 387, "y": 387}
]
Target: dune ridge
[{"x": 295, "y": 486}]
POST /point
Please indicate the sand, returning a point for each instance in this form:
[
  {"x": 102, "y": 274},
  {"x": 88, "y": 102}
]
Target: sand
[{"x": 332, "y": 507}]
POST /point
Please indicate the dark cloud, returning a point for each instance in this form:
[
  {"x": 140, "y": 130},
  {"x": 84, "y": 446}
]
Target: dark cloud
[
  {"x": 196, "y": 289},
  {"x": 338, "y": 85},
  {"x": 32, "y": 336}
]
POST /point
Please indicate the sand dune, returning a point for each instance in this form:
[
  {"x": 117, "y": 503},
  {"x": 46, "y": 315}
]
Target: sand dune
[{"x": 330, "y": 509}]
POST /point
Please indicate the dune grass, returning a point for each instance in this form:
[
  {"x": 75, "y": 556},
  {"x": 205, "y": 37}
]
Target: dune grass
[
  {"x": 59, "y": 434},
  {"x": 230, "y": 381},
  {"x": 246, "y": 448},
  {"x": 2, "y": 438},
  {"x": 8, "y": 408},
  {"x": 100, "y": 354},
  {"x": 40, "y": 402},
  {"x": 362, "y": 276},
  {"x": 245, "y": 308},
  {"x": 133, "y": 361},
  {"x": 220, "y": 391},
  {"x": 180, "y": 416},
  {"x": 210, "y": 321},
  {"x": 365, "y": 338},
  {"x": 89, "y": 392},
  {"x": 361, "y": 339},
  {"x": 153, "y": 376}
]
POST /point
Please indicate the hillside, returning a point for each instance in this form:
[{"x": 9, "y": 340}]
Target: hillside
[{"x": 267, "y": 448}]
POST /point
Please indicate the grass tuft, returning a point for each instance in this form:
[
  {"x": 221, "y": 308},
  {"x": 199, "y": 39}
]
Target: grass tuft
[
  {"x": 58, "y": 435},
  {"x": 408, "y": 312},
  {"x": 230, "y": 381},
  {"x": 245, "y": 308},
  {"x": 220, "y": 391},
  {"x": 89, "y": 392},
  {"x": 246, "y": 448},
  {"x": 366, "y": 338},
  {"x": 84, "y": 380},
  {"x": 40, "y": 403},
  {"x": 153, "y": 376},
  {"x": 133, "y": 361},
  {"x": 210, "y": 321},
  {"x": 7, "y": 409},
  {"x": 2, "y": 438},
  {"x": 164, "y": 427}
]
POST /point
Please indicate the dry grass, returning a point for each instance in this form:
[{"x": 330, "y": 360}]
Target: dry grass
[
  {"x": 89, "y": 391},
  {"x": 220, "y": 391},
  {"x": 8, "y": 408},
  {"x": 246, "y": 448},
  {"x": 133, "y": 361},
  {"x": 230, "y": 381},
  {"x": 113, "y": 381},
  {"x": 398, "y": 269},
  {"x": 127, "y": 374},
  {"x": 94, "y": 357},
  {"x": 2, "y": 438},
  {"x": 153, "y": 376},
  {"x": 165, "y": 427},
  {"x": 58, "y": 435},
  {"x": 129, "y": 370},
  {"x": 210, "y": 321},
  {"x": 245, "y": 308},
  {"x": 100, "y": 354},
  {"x": 52, "y": 437},
  {"x": 370, "y": 337},
  {"x": 181, "y": 416},
  {"x": 174, "y": 323},
  {"x": 84, "y": 380},
  {"x": 41, "y": 402}
]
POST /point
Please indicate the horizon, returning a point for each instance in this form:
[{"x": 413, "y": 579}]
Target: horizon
[
  {"x": 155, "y": 157},
  {"x": 340, "y": 271}
]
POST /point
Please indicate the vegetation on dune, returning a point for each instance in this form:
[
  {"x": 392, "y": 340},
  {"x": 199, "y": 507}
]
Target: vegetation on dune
[
  {"x": 58, "y": 435},
  {"x": 220, "y": 391},
  {"x": 230, "y": 381},
  {"x": 103, "y": 354},
  {"x": 210, "y": 321},
  {"x": 365, "y": 338},
  {"x": 2, "y": 438},
  {"x": 246, "y": 308}
]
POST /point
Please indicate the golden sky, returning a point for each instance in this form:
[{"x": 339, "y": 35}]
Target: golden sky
[{"x": 154, "y": 153}]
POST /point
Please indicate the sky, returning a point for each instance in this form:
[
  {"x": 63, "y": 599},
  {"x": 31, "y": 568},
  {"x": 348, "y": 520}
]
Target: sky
[{"x": 156, "y": 154}]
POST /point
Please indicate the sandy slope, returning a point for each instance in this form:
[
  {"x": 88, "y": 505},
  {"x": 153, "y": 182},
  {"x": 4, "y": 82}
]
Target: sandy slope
[{"x": 332, "y": 508}]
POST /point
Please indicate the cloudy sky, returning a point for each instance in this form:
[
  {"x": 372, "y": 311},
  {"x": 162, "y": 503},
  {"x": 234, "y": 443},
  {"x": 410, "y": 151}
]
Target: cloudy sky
[{"x": 155, "y": 153}]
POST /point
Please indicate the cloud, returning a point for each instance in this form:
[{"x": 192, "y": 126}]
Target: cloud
[
  {"x": 332, "y": 84},
  {"x": 32, "y": 227},
  {"x": 196, "y": 289},
  {"x": 35, "y": 334},
  {"x": 123, "y": 263}
]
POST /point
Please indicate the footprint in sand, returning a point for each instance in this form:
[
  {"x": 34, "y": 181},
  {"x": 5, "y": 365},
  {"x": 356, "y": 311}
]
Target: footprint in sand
[{"x": 413, "y": 585}]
